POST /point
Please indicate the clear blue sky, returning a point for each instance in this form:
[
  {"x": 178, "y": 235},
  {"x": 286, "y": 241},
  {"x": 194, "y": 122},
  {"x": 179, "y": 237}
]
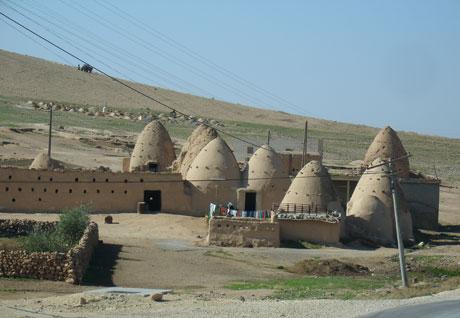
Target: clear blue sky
[{"x": 368, "y": 62}]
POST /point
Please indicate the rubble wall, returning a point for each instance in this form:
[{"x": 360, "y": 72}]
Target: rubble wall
[
  {"x": 243, "y": 232},
  {"x": 69, "y": 267}
]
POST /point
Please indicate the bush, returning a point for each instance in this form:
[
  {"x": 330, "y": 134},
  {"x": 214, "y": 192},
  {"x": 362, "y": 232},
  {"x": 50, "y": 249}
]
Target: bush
[
  {"x": 43, "y": 241},
  {"x": 72, "y": 224},
  {"x": 68, "y": 231}
]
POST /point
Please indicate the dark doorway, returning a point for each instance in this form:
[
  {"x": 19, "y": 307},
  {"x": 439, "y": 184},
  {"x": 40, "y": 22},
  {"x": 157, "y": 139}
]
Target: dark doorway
[
  {"x": 153, "y": 200},
  {"x": 250, "y": 201},
  {"x": 153, "y": 167}
]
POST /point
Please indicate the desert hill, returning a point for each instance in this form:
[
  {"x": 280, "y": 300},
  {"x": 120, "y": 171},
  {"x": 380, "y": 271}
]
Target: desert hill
[{"x": 24, "y": 78}]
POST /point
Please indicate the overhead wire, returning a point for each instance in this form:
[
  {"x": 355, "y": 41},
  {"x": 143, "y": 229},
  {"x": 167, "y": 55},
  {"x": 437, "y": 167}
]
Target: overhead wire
[
  {"x": 198, "y": 57},
  {"x": 121, "y": 82},
  {"x": 59, "y": 56},
  {"x": 160, "y": 52},
  {"x": 143, "y": 63}
]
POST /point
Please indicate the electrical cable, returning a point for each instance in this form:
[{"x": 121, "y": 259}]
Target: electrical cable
[{"x": 121, "y": 82}]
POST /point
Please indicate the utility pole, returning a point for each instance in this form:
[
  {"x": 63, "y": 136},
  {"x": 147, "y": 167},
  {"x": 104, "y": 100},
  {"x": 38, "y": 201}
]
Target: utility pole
[
  {"x": 402, "y": 261},
  {"x": 268, "y": 137},
  {"x": 49, "y": 134},
  {"x": 305, "y": 141}
]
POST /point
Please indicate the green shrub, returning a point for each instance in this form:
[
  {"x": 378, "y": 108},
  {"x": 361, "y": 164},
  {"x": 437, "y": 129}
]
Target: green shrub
[
  {"x": 72, "y": 224},
  {"x": 68, "y": 231},
  {"x": 43, "y": 241}
]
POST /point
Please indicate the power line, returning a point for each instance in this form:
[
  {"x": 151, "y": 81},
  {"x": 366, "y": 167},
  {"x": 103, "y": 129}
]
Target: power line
[
  {"x": 37, "y": 42},
  {"x": 158, "y": 51},
  {"x": 121, "y": 82},
  {"x": 185, "y": 50}
]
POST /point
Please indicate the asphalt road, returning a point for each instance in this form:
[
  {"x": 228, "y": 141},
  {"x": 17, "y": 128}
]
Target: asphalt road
[{"x": 442, "y": 309}]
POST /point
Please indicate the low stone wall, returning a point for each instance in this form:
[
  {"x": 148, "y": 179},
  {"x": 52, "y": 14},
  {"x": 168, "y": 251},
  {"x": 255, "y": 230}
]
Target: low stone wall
[
  {"x": 69, "y": 267},
  {"x": 243, "y": 232},
  {"x": 80, "y": 255},
  {"x": 315, "y": 230},
  {"x": 11, "y": 228}
]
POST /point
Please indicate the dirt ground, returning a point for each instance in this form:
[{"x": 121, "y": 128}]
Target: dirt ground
[{"x": 169, "y": 251}]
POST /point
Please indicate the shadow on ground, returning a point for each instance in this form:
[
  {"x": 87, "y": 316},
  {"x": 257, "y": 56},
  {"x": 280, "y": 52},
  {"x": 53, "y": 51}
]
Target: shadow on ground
[
  {"x": 446, "y": 235},
  {"x": 102, "y": 265}
]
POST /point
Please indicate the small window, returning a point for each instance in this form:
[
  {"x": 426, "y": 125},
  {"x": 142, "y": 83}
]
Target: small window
[
  {"x": 70, "y": 190},
  {"x": 84, "y": 191},
  {"x": 9, "y": 177},
  {"x": 56, "y": 191},
  {"x": 44, "y": 189},
  {"x": 98, "y": 191},
  {"x": 39, "y": 178},
  {"x": 113, "y": 191},
  {"x": 13, "y": 199},
  {"x": 76, "y": 179},
  {"x": 19, "y": 189},
  {"x": 94, "y": 179},
  {"x": 7, "y": 189},
  {"x": 40, "y": 199},
  {"x": 51, "y": 179},
  {"x": 32, "y": 189},
  {"x": 106, "y": 180},
  {"x": 126, "y": 180},
  {"x": 126, "y": 192},
  {"x": 142, "y": 180},
  {"x": 153, "y": 167}
]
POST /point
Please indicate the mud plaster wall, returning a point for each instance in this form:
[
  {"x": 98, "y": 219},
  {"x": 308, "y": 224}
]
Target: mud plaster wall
[
  {"x": 243, "y": 232},
  {"x": 309, "y": 230},
  {"x": 23, "y": 190},
  {"x": 69, "y": 267},
  {"x": 422, "y": 199},
  {"x": 292, "y": 162}
]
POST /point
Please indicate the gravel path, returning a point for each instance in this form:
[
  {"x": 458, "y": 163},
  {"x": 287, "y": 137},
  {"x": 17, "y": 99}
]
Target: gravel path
[{"x": 185, "y": 306}]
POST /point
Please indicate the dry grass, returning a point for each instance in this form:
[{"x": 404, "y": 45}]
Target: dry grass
[{"x": 25, "y": 78}]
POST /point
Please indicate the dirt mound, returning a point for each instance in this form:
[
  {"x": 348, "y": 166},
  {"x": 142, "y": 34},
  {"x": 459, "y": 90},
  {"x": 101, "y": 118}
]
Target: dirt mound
[{"x": 327, "y": 267}]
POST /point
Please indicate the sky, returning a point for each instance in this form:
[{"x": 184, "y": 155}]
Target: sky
[{"x": 367, "y": 62}]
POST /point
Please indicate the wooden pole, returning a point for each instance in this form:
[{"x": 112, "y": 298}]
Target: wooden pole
[{"x": 304, "y": 153}]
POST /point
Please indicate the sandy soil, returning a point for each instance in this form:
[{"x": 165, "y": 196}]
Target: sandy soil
[{"x": 168, "y": 251}]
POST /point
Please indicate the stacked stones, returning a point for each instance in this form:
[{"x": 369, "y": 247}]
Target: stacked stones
[
  {"x": 145, "y": 115},
  {"x": 11, "y": 228},
  {"x": 69, "y": 267},
  {"x": 80, "y": 255},
  {"x": 41, "y": 265}
]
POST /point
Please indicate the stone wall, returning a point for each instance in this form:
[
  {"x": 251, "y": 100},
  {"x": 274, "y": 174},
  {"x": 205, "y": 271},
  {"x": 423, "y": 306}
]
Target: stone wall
[
  {"x": 10, "y": 228},
  {"x": 69, "y": 267},
  {"x": 243, "y": 232}
]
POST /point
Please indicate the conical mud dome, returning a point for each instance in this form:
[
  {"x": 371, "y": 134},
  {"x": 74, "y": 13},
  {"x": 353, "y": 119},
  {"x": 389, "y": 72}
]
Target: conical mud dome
[
  {"x": 43, "y": 162},
  {"x": 370, "y": 213},
  {"x": 312, "y": 187},
  {"x": 199, "y": 138},
  {"x": 154, "y": 149},
  {"x": 215, "y": 175},
  {"x": 386, "y": 146},
  {"x": 267, "y": 176}
]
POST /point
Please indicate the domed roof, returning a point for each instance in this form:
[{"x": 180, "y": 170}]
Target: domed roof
[
  {"x": 386, "y": 146},
  {"x": 153, "y": 145},
  {"x": 214, "y": 162},
  {"x": 265, "y": 166},
  {"x": 370, "y": 210},
  {"x": 313, "y": 187},
  {"x": 43, "y": 162},
  {"x": 199, "y": 138}
]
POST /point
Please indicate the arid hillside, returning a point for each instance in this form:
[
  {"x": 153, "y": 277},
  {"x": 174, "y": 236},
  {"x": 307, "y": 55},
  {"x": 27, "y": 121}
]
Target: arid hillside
[{"x": 24, "y": 78}]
